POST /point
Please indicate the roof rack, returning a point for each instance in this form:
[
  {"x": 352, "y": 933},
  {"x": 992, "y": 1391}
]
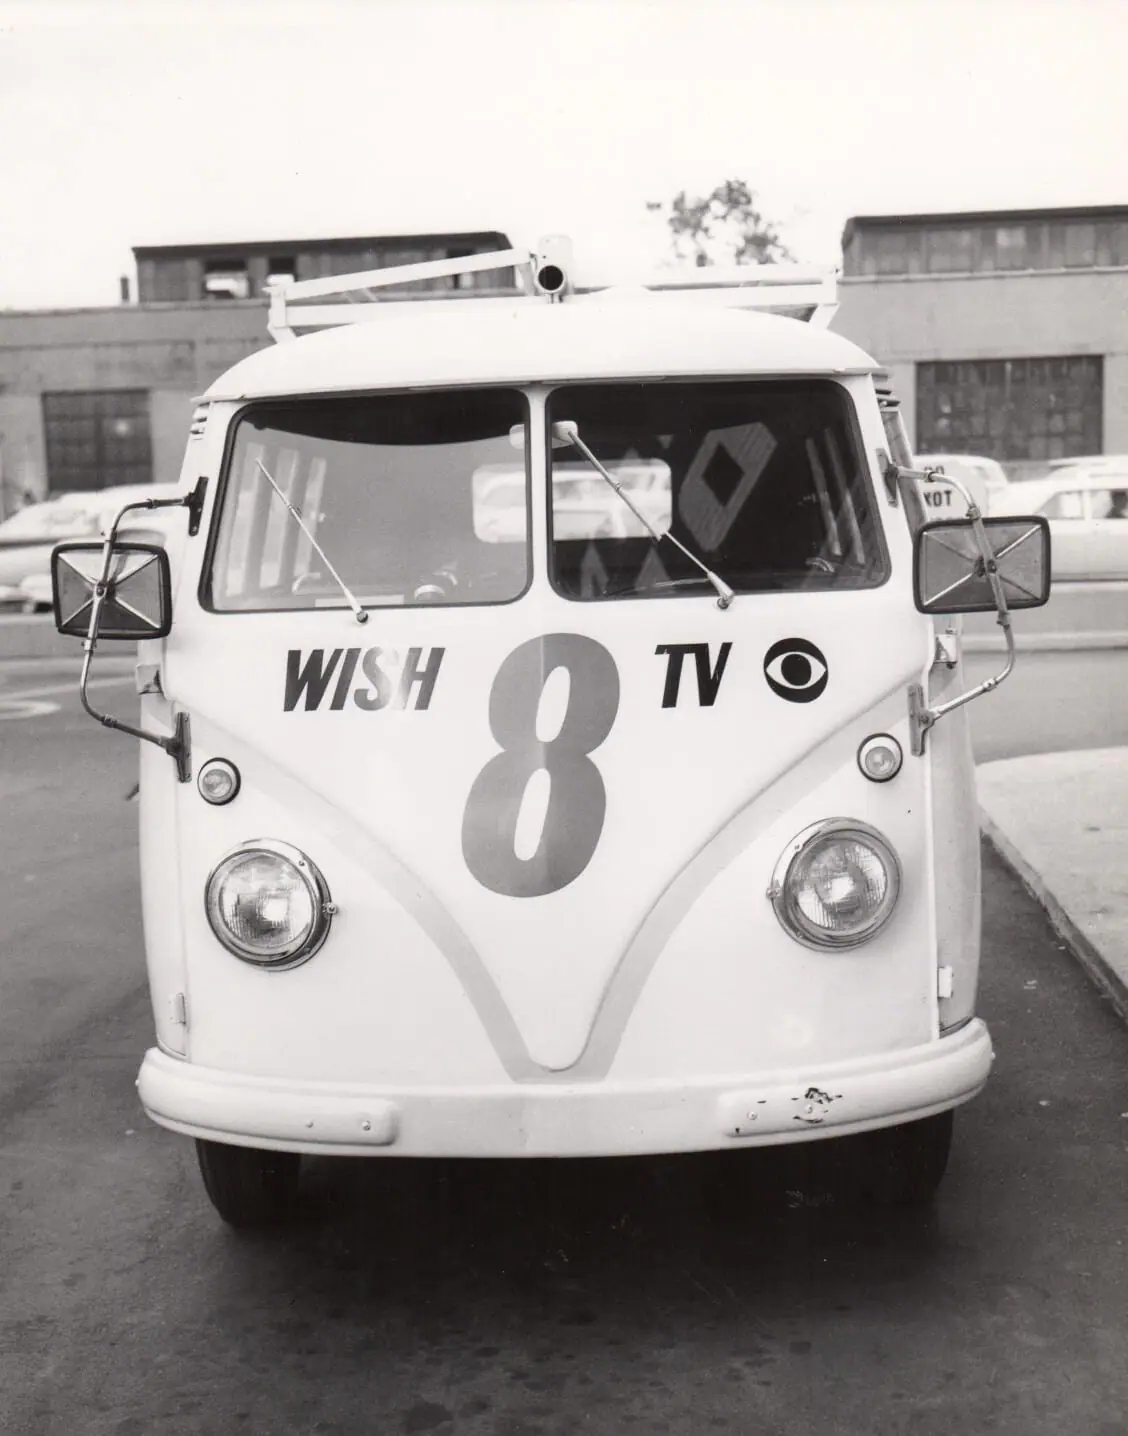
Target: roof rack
[{"x": 543, "y": 275}]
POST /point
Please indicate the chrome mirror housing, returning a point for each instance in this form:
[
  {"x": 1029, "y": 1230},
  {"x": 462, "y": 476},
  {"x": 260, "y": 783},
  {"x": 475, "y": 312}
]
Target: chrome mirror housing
[
  {"x": 137, "y": 602},
  {"x": 951, "y": 574}
]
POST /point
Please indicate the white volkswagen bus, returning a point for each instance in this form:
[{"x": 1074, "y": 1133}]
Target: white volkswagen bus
[{"x": 551, "y": 747}]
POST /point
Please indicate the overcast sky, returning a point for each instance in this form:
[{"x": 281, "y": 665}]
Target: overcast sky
[{"x": 128, "y": 122}]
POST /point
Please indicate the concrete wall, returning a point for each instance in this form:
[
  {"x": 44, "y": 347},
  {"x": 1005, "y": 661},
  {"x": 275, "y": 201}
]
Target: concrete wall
[
  {"x": 169, "y": 346},
  {"x": 170, "y": 413},
  {"x": 903, "y": 320},
  {"x": 171, "y": 351},
  {"x": 23, "y": 461},
  {"x": 986, "y": 316},
  {"x": 1116, "y": 401}
]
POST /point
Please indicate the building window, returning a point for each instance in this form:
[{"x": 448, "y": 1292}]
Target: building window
[
  {"x": 949, "y": 251},
  {"x": 226, "y": 279},
  {"x": 97, "y": 439},
  {"x": 281, "y": 269},
  {"x": 462, "y": 281},
  {"x": 1080, "y": 246},
  {"x": 985, "y": 248},
  {"x": 1011, "y": 409},
  {"x": 1010, "y": 247}
]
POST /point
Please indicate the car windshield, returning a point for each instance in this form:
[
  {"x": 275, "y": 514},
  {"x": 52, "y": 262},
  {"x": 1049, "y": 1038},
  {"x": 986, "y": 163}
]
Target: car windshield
[
  {"x": 394, "y": 490},
  {"x": 764, "y": 481}
]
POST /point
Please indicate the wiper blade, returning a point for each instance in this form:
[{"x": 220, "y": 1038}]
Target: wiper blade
[
  {"x": 361, "y": 615},
  {"x": 567, "y": 431}
]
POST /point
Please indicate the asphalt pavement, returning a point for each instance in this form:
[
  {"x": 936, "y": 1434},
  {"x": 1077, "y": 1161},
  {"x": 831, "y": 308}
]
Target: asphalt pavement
[{"x": 1060, "y": 821}]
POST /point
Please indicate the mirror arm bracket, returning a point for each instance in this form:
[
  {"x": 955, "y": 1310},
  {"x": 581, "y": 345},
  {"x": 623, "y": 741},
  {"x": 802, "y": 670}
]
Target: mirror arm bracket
[
  {"x": 179, "y": 745},
  {"x": 195, "y": 505},
  {"x": 921, "y": 717},
  {"x": 182, "y": 503},
  {"x": 890, "y": 473}
]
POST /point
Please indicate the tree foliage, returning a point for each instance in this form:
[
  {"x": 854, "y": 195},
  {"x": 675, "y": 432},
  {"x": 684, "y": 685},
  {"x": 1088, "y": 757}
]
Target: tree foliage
[{"x": 725, "y": 226}]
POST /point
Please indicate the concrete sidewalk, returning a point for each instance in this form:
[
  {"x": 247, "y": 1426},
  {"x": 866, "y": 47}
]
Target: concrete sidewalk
[{"x": 1060, "y": 820}]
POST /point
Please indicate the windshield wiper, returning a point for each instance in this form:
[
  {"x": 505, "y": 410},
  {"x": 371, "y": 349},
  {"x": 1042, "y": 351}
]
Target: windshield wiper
[
  {"x": 361, "y": 614},
  {"x": 567, "y": 431}
]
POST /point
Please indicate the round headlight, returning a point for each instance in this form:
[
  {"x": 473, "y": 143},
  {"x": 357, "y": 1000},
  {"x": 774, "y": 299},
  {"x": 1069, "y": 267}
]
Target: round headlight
[
  {"x": 836, "y": 885},
  {"x": 268, "y": 904}
]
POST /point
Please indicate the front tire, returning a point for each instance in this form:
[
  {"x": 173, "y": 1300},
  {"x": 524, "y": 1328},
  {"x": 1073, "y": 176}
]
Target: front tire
[
  {"x": 903, "y": 1166},
  {"x": 247, "y": 1186}
]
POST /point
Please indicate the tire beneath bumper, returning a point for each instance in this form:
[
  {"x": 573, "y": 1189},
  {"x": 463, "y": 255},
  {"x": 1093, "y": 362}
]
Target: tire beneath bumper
[
  {"x": 903, "y": 1166},
  {"x": 249, "y": 1187}
]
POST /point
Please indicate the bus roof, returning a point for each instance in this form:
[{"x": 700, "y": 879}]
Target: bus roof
[{"x": 614, "y": 334}]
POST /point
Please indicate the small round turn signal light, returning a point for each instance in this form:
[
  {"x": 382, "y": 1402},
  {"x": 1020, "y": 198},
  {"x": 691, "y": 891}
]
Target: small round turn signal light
[
  {"x": 880, "y": 758},
  {"x": 218, "y": 781}
]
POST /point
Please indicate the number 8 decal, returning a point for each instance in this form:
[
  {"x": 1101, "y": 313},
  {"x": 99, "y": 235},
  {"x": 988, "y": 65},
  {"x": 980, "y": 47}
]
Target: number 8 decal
[{"x": 577, "y": 800}]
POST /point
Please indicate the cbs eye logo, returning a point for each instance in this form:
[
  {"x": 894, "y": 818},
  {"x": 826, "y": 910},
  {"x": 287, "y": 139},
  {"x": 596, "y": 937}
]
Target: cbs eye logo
[{"x": 795, "y": 670}]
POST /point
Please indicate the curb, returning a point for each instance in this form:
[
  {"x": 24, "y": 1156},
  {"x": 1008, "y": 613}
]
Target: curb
[{"x": 1103, "y": 976}]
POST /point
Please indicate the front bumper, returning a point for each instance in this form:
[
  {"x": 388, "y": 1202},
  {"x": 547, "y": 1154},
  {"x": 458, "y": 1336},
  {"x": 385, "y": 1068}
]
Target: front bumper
[{"x": 566, "y": 1120}]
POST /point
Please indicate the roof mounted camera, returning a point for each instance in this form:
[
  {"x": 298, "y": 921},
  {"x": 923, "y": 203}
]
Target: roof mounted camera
[{"x": 552, "y": 266}]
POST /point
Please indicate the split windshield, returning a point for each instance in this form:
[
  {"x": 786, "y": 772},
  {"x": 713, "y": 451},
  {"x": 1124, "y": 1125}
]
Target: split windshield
[
  {"x": 420, "y": 498},
  {"x": 394, "y": 488},
  {"x": 763, "y": 481}
]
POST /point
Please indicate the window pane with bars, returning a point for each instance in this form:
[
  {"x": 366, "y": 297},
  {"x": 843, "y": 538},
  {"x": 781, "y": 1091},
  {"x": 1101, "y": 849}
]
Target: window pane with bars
[
  {"x": 1044, "y": 408},
  {"x": 97, "y": 439}
]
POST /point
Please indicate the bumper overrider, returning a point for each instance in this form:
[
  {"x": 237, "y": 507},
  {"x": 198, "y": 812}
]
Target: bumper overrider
[{"x": 566, "y": 1120}]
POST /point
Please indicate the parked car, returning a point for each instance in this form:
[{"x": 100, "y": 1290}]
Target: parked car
[
  {"x": 27, "y": 537},
  {"x": 985, "y": 478},
  {"x": 1087, "y": 511},
  {"x": 1091, "y": 463}
]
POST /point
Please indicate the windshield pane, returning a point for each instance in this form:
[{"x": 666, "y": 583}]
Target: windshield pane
[
  {"x": 764, "y": 482},
  {"x": 390, "y": 487}
]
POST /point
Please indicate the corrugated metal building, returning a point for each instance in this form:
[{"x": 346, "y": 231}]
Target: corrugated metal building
[
  {"x": 1005, "y": 333},
  {"x": 93, "y": 397}
]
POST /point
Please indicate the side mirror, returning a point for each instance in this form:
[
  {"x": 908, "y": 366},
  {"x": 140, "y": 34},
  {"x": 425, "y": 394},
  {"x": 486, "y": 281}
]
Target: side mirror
[
  {"x": 950, "y": 576},
  {"x": 138, "y": 599}
]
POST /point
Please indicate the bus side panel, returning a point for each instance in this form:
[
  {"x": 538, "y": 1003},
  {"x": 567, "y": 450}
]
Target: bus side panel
[
  {"x": 955, "y": 841},
  {"x": 160, "y": 855}
]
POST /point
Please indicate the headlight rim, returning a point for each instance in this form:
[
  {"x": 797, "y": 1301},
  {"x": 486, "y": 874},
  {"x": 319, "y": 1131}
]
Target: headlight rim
[
  {"x": 794, "y": 923},
  {"x": 323, "y": 906}
]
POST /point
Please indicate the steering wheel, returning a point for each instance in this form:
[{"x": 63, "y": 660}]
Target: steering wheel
[
  {"x": 440, "y": 587},
  {"x": 306, "y": 580}
]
